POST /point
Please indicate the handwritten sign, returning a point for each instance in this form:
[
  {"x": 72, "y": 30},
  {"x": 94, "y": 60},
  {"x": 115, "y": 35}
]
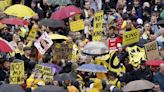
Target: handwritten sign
[
  {"x": 98, "y": 22},
  {"x": 77, "y": 25},
  {"x": 44, "y": 72},
  {"x": 131, "y": 37},
  {"x": 152, "y": 51},
  {"x": 63, "y": 51},
  {"x": 16, "y": 73},
  {"x": 43, "y": 43}
]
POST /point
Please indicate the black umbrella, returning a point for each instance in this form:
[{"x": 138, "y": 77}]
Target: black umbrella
[
  {"x": 11, "y": 88},
  {"x": 161, "y": 23},
  {"x": 50, "y": 88},
  {"x": 65, "y": 76},
  {"x": 52, "y": 23}
]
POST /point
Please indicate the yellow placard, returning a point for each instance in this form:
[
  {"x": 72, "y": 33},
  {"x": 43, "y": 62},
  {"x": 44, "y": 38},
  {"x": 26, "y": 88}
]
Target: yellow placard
[
  {"x": 77, "y": 25},
  {"x": 136, "y": 55},
  {"x": 131, "y": 37},
  {"x": 32, "y": 34},
  {"x": 45, "y": 72},
  {"x": 17, "y": 73},
  {"x": 98, "y": 22}
]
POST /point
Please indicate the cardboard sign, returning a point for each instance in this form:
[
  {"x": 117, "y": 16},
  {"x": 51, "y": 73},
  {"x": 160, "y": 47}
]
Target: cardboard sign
[
  {"x": 131, "y": 37},
  {"x": 63, "y": 51},
  {"x": 16, "y": 73},
  {"x": 152, "y": 52},
  {"x": 77, "y": 25},
  {"x": 98, "y": 23},
  {"x": 43, "y": 43},
  {"x": 44, "y": 72}
]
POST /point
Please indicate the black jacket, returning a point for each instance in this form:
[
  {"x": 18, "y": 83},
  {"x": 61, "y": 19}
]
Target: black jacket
[{"x": 3, "y": 75}]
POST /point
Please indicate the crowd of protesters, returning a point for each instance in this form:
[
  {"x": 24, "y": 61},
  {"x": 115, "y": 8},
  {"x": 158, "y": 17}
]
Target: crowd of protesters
[{"x": 119, "y": 16}]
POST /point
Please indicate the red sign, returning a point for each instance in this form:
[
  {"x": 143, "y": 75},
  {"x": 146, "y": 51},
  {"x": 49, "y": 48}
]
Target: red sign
[{"x": 112, "y": 43}]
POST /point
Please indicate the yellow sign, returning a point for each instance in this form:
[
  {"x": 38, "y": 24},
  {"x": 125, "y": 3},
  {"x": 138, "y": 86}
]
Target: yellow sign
[
  {"x": 98, "y": 22},
  {"x": 32, "y": 34},
  {"x": 77, "y": 25},
  {"x": 136, "y": 54},
  {"x": 131, "y": 37},
  {"x": 44, "y": 72},
  {"x": 63, "y": 51},
  {"x": 17, "y": 73}
]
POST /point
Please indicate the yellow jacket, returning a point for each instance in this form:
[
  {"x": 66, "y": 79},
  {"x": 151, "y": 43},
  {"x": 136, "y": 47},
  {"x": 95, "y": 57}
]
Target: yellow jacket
[{"x": 115, "y": 82}]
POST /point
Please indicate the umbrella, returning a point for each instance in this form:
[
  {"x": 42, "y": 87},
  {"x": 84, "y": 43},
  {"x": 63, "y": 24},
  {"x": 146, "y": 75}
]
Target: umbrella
[
  {"x": 65, "y": 12},
  {"x": 5, "y": 46},
  {"x": 11, "y": 88},
  {"x": 95, "y": 48},
  {"x": 154, "y": 62},
  {"x": 138, "y": 85},
  {"x": 59, "y": 2},
  {"x": 92, "y": 68},
  {"x": 161, "y": 23},
  {"x": 54, "y": 67},
  {"x": 65, "y": 76},
  {"x": 50, "y": 88},
  {"x": 52, "y": 23},
  {"x": 20, "y": 10},
  {"x": 14, "y": 21},
  {"x": 57, "y": 36}
]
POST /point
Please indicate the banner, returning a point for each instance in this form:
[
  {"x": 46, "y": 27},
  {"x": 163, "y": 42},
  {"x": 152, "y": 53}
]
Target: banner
[
  {"x": 98, "y": 23},
  {"x": 136, "y": 54},
  {"x": 44, "y": 72},
  {"x": 16, "y": 73},
  {"x": 63, "y": 51},
  {"x": 152, "y": 52},
  {"x": 43, "y": 43},
  {"x": 77, "y": 25},
  {"x": 131, "y": 37}
]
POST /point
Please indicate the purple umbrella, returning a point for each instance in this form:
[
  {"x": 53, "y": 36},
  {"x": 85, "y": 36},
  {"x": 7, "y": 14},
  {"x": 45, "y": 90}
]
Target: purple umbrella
[{"x": 55, "y": 68}]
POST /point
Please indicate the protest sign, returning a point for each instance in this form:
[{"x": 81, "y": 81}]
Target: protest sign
[
  {"x": 32, "y": 34},
  {"x": 43, "y": 43},
  {"x": 98, "y": 22},
  {"x": 136, "y": 54},
  {"x": 152, "y": 51},
  {"x": 16, "y": 73},
  {"x": 44, "y": 72},
  {"x": 131, "y": 37},
  {"x": 63, "y": 51},
  {"x": 77, "y": 25},
  {"x": 112, "y": 44}
]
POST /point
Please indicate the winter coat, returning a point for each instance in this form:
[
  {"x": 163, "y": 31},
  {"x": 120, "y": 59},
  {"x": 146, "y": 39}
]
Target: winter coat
[{"x": 159, "y": 78}]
